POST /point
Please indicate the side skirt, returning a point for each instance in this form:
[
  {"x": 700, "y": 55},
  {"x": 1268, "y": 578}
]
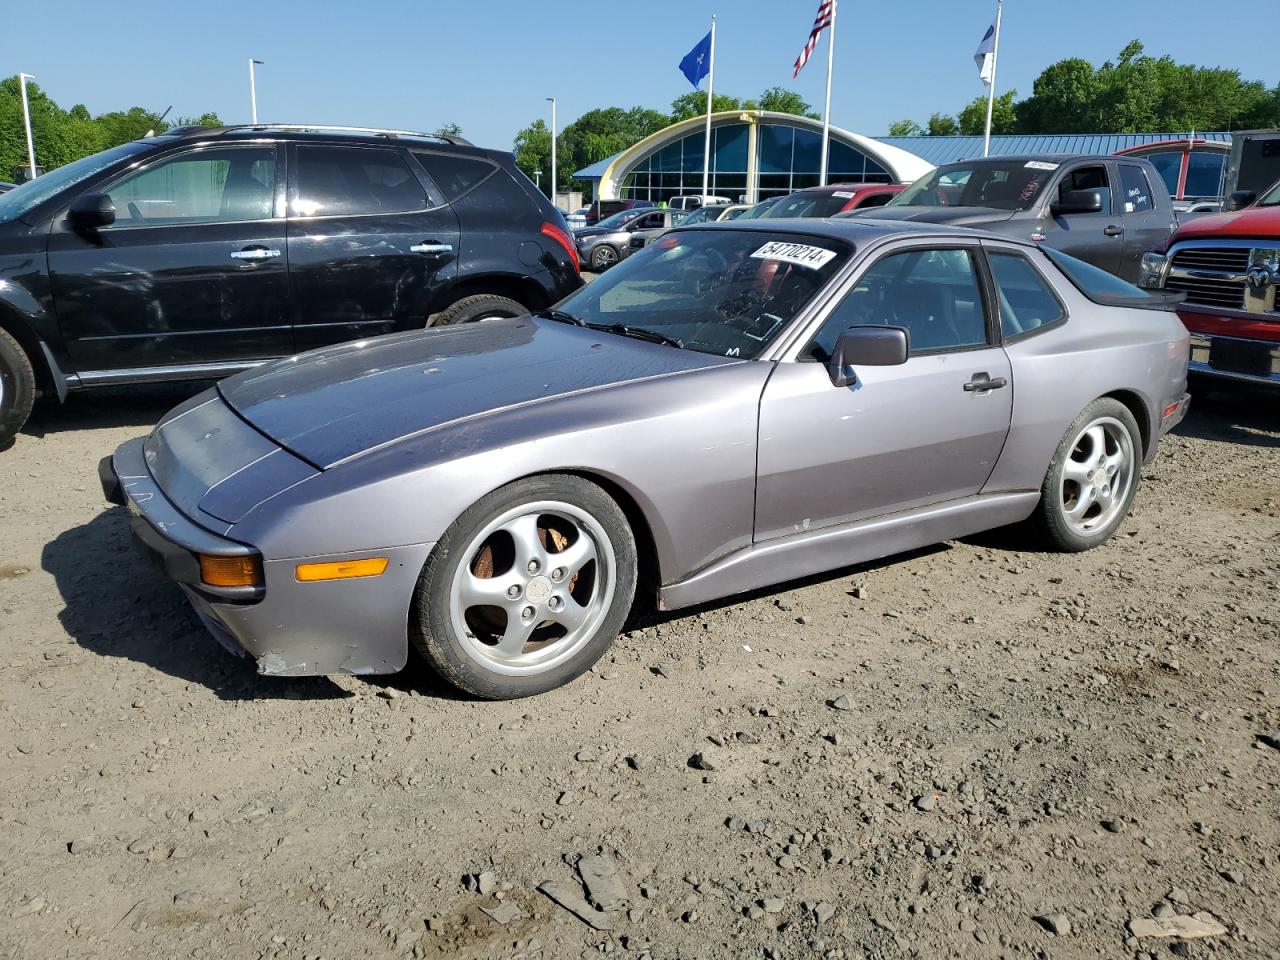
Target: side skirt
[
  {"x": 191, "y": 371},
  {"x": 802, "y": 555}
]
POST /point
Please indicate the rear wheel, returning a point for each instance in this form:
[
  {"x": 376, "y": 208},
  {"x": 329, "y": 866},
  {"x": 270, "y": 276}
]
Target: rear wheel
[
  {"x": 527, "y": 589},
  {"x": 481, "y": 306},
  {"x": 17, "y": 388},
  {"x": 603, "y": 257},
  {"x": 1092, "y": 478}
]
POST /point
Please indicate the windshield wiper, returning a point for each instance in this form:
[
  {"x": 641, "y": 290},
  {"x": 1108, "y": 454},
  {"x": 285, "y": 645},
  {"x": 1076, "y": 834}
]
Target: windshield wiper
[
  {"x": 562, "y": 317},
  {"x": 638, "y": 333}
]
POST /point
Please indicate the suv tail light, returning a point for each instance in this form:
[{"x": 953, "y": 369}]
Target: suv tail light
[{"x": 566, "y": 241}]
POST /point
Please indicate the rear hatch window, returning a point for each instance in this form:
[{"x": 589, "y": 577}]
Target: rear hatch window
[{"x": 1109, "y": 290}]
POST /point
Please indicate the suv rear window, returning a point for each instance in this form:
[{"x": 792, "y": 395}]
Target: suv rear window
[
  {"x": 454, "y": 175},
  {"x": 354, "y": 181}
]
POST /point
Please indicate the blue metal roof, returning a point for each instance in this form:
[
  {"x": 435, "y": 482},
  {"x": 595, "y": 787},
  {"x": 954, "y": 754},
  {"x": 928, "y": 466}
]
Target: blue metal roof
[
  {"x": 940, "y": 150},
  {"x": 596, "y": 170}
]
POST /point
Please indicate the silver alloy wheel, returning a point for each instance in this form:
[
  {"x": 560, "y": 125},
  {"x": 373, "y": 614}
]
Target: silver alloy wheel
[
  {"x": 526, "y": 595},
  {"x": 1096, "y": 476},
  {"x": 603, "y": 257}
]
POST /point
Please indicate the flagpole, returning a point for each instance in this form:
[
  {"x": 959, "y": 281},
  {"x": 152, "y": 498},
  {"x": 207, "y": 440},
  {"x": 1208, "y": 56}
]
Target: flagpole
[
  {"x": 706, "y": 147},
  {"x": 826, "y": 110},
  {"x": 991, "y": 94}
]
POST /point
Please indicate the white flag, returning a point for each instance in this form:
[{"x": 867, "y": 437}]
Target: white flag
[{"x": 985, "y": 58}]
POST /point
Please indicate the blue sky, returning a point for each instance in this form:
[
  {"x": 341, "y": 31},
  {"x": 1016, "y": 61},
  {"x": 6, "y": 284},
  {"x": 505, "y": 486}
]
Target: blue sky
[{"x": 487, "y": 66}]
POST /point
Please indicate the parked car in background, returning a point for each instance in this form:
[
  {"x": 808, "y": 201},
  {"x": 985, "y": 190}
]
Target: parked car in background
[
  {"x": 653, "y": 225},
  {"x": 832, "y": 199},
  {"x": 604, "y": 209},
  {"x": 714, "y": 213},
  {"x": 191, "y": 254},
  {"x": 669, "y": 426},
  {"x": 1107, "y": 211},
  {"x": 602, "y": 246},
  {"x": 759, "y": 209},
  {"x": 694, "y": 202},
  {"x": 1228, "y": 266},
  {"x": 6, "y": 186}
]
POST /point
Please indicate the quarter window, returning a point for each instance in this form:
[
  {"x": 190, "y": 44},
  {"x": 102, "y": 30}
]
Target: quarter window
[
  {"x": 455, "y": 175},
  {"x": 1026, "y": 300},
  {"x": 346, "y": 181},
  {"x": 1137, "y": 192},
  {"x": 207, "y": 186},
  {"x": 934, "y": 294}
]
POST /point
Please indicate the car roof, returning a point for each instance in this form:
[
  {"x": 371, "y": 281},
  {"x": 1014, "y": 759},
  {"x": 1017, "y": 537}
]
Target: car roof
[
  {"x": 832, "y": 187},
  {"x": 859, "y": 231},
  {"x": 317, "y": 133},
  {"x": 1024, "y": 157}
]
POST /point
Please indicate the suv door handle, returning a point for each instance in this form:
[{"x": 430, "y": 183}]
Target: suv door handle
[
  {"x": 254, "y": 253},
  {"x": 1112, "y": 231},
  {"x": 431, "y": 248},
  {"x": 981, "y": 383}
]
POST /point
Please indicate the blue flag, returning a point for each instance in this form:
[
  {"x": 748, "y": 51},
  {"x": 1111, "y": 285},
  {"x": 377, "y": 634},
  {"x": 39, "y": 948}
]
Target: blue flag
[{"x": 697, "y": 63}]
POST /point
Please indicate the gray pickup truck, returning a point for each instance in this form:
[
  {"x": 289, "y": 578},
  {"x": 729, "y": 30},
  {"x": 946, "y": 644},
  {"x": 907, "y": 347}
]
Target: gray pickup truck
[{"x": 1107, "y": 211}]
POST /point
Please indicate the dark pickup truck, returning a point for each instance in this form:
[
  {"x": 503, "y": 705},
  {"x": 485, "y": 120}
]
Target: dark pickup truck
[{"x": 1107, "y": 211}]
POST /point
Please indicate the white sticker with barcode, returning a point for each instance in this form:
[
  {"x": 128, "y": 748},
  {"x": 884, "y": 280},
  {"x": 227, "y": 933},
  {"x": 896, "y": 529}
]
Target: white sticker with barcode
[
  {"x": 801, "y": 254},
  {"x": 843, "y": 194},
  {"x": 1040, "y": 165}
]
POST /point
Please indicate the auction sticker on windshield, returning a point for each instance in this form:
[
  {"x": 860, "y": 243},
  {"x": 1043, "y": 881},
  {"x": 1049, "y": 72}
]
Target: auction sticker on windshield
[
  {"x": 801, "y": 254},
  {"x": 1040, "y": 165}
]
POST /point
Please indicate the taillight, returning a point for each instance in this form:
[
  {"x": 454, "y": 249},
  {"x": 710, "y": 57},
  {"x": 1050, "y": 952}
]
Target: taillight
[{"x": 566, "y": 241}]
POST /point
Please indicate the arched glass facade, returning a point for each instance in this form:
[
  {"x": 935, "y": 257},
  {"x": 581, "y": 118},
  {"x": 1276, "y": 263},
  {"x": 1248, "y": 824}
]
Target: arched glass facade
[{"x": 787, "y": 158}]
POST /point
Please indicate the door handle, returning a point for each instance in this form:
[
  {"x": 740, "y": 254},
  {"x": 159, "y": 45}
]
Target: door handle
[
  {"x": 254, "y": 253},
  {"x": 981, "y": 383},
  {"x": 431, "y": 248},
  {"x": 1112, "y": 231}
]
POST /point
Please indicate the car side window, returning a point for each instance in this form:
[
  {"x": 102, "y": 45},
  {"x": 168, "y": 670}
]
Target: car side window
[
  {"x": 649, "y": 221},
  {"x": 933, "y": 293},
  {"x": 218, "y": 185},
  {"x": 456, "y": 175},
  {"x": 875, "y": 200},
  {"x": 1027, "y": 302},
  {"x": 1136, "y": 190},
  {"x": 354, "y": 181},
  {"x": 1089, "y": 178}
]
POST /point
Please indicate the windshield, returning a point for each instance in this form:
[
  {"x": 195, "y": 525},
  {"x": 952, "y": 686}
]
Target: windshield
[
  {"x": 818, "y": 203},
  {"x": 759, "y": 210},
  {"x": 999, "y": 184},
  {"x": 725, "y": 292},
  {"x": 19, "y": 200},
  {"x": 1272, "y": 197},
  {"x": 702, "y": 215},
  {"x": 624, "y": 217}
]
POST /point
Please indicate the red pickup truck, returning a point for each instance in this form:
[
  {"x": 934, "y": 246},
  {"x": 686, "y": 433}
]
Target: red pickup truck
[{"x": 1229, "y": 266}]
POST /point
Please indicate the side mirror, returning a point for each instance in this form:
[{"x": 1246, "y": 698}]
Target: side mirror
[
  {"x": 870, "y": 347},
  {"x": 1078, "y": 201},
  {"x": 1239, "y": 200},
  {"x": 92, "y": 210}
]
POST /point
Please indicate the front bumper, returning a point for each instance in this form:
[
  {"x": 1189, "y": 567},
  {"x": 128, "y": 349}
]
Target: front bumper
[
  {"x": 290, "y": 628},
  {"x": 1235, "y": 358}
]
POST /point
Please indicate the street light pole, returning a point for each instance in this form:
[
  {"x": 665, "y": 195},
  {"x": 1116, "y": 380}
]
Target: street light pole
[
  {"x": 26, "y": 121},
  {"x": 253, "y": 91},
  {"x": 553, "y": 149}
]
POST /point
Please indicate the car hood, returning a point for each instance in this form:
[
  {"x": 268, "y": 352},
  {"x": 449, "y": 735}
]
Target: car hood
[
  {"x": 1249, "y": 222},
  {"x": 334, "y": 404},
  {"x": 957, "y": 216}
]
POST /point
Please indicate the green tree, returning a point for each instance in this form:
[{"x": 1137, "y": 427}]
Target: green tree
[
  {"x": 449, "y": 130},
  {"x": 781, "y": 100},
  {"x": 904, "y": 128},
  {"x": 694, "y": 104},
  {"x": 941, "y": 125},
  {"x": 973, "y": 118}
]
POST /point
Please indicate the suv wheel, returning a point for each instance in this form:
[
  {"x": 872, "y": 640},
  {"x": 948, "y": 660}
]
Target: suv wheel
[
  {"x": 603, "y": 257},
  {"x": 17, "y": 388},
  {"x": 482, "y": 306}
]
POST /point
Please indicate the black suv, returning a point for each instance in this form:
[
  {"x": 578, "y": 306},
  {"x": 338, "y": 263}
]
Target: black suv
[{"x": 204, "y": 251}]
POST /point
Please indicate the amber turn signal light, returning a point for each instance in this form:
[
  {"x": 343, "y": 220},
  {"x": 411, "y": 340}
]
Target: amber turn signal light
[
  {"x": 342, "y": 570},
  {"x": 231, "y": 571}
]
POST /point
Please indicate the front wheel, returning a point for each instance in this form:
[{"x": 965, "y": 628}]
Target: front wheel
[
  {"x": 1092, "y": 478},
  {"x": 527, "y": 589},
  {"x": 603, "y": 257}
]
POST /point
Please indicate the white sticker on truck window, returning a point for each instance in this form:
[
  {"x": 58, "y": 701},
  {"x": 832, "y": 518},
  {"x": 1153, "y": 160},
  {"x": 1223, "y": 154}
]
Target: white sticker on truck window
[
  {"x": 843, "y": 194},
  {"x": 801, "y": 254},
  {"x": 1041, "y": 165}
]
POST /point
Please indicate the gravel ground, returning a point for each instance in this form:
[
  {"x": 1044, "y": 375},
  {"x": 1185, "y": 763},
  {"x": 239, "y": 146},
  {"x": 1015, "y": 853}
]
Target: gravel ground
[{"x": 976, "y": 750}]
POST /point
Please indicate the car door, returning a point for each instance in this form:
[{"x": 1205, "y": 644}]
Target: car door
[
  {"x": 371, "y": 241},
  {"x": 1096, "y": 238},
  {"x": 1146, "y": 226},
  {"x": 924, "y": 432},
  {"x": 191, "y": 272}
]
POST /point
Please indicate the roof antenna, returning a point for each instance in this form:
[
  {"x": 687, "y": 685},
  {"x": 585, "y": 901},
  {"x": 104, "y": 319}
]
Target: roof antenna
[{"x": 159, "y": 120}]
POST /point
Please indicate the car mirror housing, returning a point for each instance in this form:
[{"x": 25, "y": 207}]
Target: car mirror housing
[
  {"x": 1078, "y": 201},
  {"x": 1239, "y": 200},
  {"x": 870, "y": 346},
  {"x": 92, "y": 210}
]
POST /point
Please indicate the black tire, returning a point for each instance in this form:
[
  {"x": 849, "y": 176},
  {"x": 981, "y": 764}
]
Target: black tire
[
  {"x": 17, "y": 388},
  {"x": 1050, "y": 521},
  {"x": 432, "y": 623},
  {"x": 480, "y": 306},
  {"x": 603, "y": 257}
]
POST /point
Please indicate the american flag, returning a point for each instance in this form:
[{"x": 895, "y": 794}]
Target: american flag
[{"x": 826, "y": 9}]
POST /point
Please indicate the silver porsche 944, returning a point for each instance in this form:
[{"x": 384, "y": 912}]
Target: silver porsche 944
[{"x": 732, "y": 407}]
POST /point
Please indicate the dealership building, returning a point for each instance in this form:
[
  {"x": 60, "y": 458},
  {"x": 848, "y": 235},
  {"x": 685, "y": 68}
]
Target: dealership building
[{"x": 757, "y": 154}]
